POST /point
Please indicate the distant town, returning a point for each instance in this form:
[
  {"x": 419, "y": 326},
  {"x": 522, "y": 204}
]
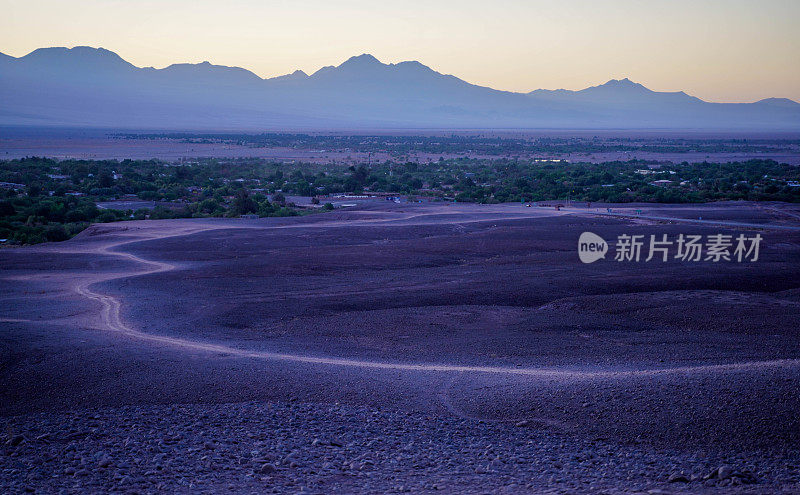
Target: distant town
[{"x": 45, "y": 199}]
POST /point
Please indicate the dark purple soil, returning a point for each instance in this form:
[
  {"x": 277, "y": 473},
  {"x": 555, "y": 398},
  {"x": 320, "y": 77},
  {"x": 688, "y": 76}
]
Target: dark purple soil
[{"x": 635, "y": 396}]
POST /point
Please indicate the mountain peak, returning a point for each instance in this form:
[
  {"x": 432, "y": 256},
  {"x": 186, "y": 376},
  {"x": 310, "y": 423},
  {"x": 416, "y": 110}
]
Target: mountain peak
[
  {"x": 210, "y": 73},
  {"x": 352, "y": 67},
  {"x": 294, "y": 76},
  {"x": 779, "y": 102},
  {"x": 621, "y": 83},
  {"x": 363, "y": 60},
  {"x": 75, "y": 52},
  {"x": 83, "y": 56},
  {"x": 617, "y": 87}
]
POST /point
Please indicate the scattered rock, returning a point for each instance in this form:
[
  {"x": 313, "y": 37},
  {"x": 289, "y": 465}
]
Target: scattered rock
[
  {"x": 724, "y": 472},
  {"x": 267, "y": 469},
  {"x": 16, "y": 440},
  {"x": 678, "y": 478},
  {"x": 264, "y": 448}
]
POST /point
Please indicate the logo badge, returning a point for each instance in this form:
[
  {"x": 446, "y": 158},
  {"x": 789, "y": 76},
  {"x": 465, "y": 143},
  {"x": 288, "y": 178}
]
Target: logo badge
[{"x": 591, "y": 247}]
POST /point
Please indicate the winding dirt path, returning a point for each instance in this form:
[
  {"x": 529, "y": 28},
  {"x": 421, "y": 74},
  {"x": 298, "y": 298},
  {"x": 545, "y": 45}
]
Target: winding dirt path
[{"x": 110, "y": 316}]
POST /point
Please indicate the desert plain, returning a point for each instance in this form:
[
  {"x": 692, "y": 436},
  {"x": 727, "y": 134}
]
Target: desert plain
[{"x": 418, "y": 348}]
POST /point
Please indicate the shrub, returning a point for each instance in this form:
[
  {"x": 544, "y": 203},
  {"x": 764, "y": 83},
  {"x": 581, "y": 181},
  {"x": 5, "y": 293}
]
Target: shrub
[
  {"x": 106, "y": 217},
  {"x": 56, "y": 233}
]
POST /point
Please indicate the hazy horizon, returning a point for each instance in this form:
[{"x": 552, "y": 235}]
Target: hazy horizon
[{"x": 733, "y": 51}]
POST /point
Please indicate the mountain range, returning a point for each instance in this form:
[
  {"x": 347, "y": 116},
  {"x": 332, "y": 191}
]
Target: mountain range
[{"x": 94, "y": 87}]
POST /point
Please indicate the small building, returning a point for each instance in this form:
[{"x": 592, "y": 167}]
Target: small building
[
  {"x": 661, "y": 183},
  {"x": 11, "y": 185}
]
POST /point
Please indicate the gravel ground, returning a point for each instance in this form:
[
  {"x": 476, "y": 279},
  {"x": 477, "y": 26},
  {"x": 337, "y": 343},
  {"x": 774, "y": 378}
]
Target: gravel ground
[
  {"x": 283, "y": 447},
  {"x": 145, "y": 357}
]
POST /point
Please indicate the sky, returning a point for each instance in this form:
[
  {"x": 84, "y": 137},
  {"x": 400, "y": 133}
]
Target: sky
[{"x": 718, "y": 50}]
